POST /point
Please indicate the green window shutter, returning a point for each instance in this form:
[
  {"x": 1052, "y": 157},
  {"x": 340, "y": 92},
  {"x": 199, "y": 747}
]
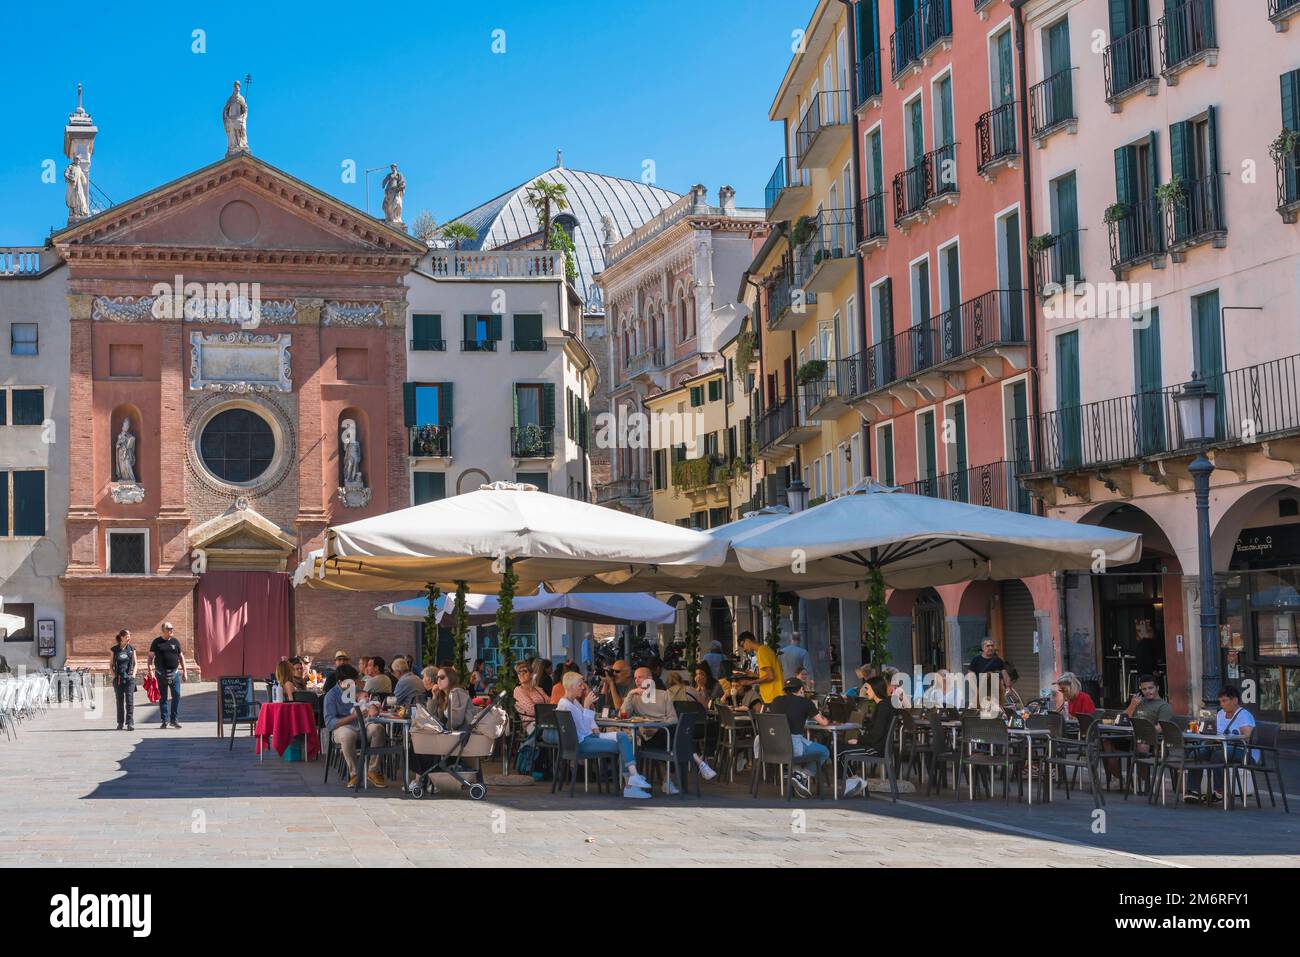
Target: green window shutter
[
  {"x": 1121, "y": 24},
  {"x": 1058, "y": 47},
  {"x": 429, "y": 487},
  {"x": 1153, "y": 170},
  {"x": 1181, "y": 165},
  {"x": 29, "y": 503},
  {"x": 1067, "y": 398},
  {"x": 515, "y": 395},
  {"x": 945, "y": 112},
  {"x": 887, "y": 310},
  {"x": 1147, "y": 376},
  {"x": 1067, "y": 203},
  {"x": 887, "y": 448},
  {"x": 1123, "y": 182},
  {"x": 408, "y": 403},
  {"x": 470, "y": 328},
  {"x": 1209, "y": 339},
  {"x": 1291, "y": 100},
  {"x": 494, "y": 328},
  {"x": 426, "y": 328},
  {"x": 445, "y": 406},
  {"x": 528, "y": 328},
  {"x": 715, "y": 390},
  {"x": 1212, "y": 125},
  {"x": 548, "y": 405},
  {"x": 959, "y": 427},
  {"x": 4, "y": 500},
  {"x": 697, "y": 396}
]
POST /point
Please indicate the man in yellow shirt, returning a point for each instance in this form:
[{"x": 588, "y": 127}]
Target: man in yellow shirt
[{"x": 769, "y": 681}]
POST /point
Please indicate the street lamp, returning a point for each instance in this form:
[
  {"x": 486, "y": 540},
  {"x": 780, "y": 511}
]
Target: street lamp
[
  {"x": 1197, "y": 421},
  {"x": 796, "y": 495}
]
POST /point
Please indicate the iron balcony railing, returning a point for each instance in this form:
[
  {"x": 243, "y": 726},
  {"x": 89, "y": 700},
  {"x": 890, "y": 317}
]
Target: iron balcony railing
[
  {"x": 1060, "y": 262},
  {"x": 532, "y": 442},
  {"x": 646, "y": 360},
  {"x": 934, "y": 176},
  {"x": 871, "y": 211},
  {"x": 1288, "y": 177},
  {"x": 478, "y": 345},
  {"x": 1139, "y": 235},
  {"x": 1198, "y": 215},
  {"x": 788, "y": 294},
  {"x": 995, "y": 318},
  {"x": 931, "y": 23},
  {"x": 828, "y": 108},
  {"x": 786, "y": 175},
  {"x": 1255, "y": 404},
  {"x": 428, "y": 345},
  {"x": 996, "y": 131},
  {"x": 1129, "y": 61},
  {"x": 1051, "y": 102},
  {"x": 775, "y": 422},
  {"x": 869, "y": 83},
  {"x": 993, "y": 485},
  {"x": 843, "y": 380},
  {"x": 1185, "y": 32},
  {"x": 622, "y": 488},
  {"x": 833, "y": 237},
  {"x": 430, "y": 440},
  {"x": 1277, "y": 8},
  {"x": 527, "y": 345}
]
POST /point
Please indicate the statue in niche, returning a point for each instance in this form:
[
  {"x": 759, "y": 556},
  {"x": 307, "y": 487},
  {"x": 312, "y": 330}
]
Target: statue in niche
[
  {"x": 234, "y": 117},
  {"x": 351, "y": 456},
  {"x": 394, "y": 190},
  {"x": 77, "y": 193},
  {"x": 125, "y": 454}
]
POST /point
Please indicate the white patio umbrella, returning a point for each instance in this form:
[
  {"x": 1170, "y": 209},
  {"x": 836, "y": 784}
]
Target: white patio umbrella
[
  {"x": 9, "y": 624},
  {"x": 606, "y": 609},
  {"x": 917, "y": 541},
  {"x": 467, "y": 537}
]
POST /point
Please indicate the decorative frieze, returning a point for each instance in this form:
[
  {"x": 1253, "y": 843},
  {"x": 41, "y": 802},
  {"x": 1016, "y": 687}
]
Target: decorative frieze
[
  {"x": 240, "y": 362},
  {"x": 249, "y": 312},
  {"x": 355, "y": 314},
  {"x": 123, "y": 308}
]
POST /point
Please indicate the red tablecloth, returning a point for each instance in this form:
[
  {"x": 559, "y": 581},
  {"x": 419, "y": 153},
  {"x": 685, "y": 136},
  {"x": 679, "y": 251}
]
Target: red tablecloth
[{"x": 282, "y": 723}]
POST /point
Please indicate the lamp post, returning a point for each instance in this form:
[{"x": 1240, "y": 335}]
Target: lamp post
[
  {"x": 796, "y": 495},
  {"x": 1197, "y": 422}
]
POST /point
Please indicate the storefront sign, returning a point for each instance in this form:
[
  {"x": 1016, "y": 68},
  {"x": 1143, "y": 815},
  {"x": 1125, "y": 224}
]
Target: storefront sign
[{"x": 45, "y": 644}]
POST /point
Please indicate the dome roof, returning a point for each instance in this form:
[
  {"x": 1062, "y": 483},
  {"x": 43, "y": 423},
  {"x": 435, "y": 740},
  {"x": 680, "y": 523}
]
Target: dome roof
[{"x": 508, "y": 218}]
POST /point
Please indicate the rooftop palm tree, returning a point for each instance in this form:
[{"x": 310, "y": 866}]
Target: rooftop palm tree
[
  {"x": 458, "y": 233},
  {"x": 543, "y": 195}
]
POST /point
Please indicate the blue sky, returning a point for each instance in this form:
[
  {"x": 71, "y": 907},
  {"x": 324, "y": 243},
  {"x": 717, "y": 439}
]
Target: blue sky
[{"x": 684, "y": 83}]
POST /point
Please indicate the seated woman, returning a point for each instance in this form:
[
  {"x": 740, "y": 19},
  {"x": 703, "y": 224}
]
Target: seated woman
[
  {"x": 288, "y": 683},
  {"x": 704, "y": 688},
  {"x": 1071, "y": 697},
  {"x": 677, "y": 688},
  {"x": 874, "y": 739},
  {"x": 557, "y": 689},
  {"x": 542, "y": 676},
  {"x": 528, "y": 696},
  {"x": 449, "y": 702}
]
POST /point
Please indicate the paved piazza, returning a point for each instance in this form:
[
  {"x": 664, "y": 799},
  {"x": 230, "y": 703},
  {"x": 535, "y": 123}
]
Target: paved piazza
[{"x": 75, "y": 791}]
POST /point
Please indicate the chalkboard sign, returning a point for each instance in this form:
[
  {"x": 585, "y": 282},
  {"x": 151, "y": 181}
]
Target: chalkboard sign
[{"x": 236, "y": 695}]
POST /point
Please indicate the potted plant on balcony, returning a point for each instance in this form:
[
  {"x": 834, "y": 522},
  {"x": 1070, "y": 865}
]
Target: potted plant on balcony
[
  {"x": 1284, "y": 144},
  {"x": 1172, "y": 193},
  {"x": 802, "y": 230},
  {"x": 745, "y": 351},
  {"x": 814, "y": 370},
  {"x": 1116, "y": 212},
  {"x": 1040, "y": 244}
]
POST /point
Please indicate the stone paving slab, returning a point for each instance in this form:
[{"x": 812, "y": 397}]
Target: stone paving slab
[{"x": 74, "y": 791}]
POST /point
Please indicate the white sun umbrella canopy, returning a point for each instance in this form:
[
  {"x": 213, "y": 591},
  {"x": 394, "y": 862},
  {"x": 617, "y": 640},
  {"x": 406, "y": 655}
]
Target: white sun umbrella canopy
[
  {"x": 605, "y": 609},
  {"x": 10, "y": 624},
  {"x": 466, "y": 537},
  {"x": 917, "y": 541}
]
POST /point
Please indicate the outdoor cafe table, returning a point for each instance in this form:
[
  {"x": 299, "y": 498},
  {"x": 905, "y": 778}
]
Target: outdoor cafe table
[
  {"x": 629, "y": 724},
  {"x": 1028, "y": 734},
  {"x": 834, "y": 730},
  {"x": 278, "y": 723},
  {"x": 1224, "y": 740}
]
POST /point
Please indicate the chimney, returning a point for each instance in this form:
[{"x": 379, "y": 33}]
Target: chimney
[
  {"x": 79, "y": 135},
  {"x": 699, "y": 198},
  {"x": 727, "y": 199}
]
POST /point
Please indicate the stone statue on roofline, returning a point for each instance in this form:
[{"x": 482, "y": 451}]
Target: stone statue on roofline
[
  {"x": 234, "y": 117},
  {"x": 77, "y": 192},
  {"x": 394, "y": 192}
]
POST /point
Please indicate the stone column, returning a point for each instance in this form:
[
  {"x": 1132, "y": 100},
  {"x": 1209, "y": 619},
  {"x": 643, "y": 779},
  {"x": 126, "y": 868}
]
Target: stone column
[
  {"x": 815, "y": 637},
  {"x": 965, "y": 633},
  {"x": 173, "y": 513},
  {"x": 311, "y": 519},
  {"x": 900, "y": 642},
  {"x": 850, "y": 639},
  {"x": 82, "y": 522}
]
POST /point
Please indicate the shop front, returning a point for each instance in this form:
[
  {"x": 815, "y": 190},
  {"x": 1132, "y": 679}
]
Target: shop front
[{"x": 1259, "y": 612}]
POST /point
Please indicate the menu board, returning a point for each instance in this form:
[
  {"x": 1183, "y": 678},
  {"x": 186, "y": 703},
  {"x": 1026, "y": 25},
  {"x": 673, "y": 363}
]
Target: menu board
[{"x": 236, "y": 695}]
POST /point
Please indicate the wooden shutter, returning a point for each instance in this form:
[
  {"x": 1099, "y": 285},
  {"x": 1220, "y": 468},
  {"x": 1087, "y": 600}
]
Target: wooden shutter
[
  {"x": 1124, "y": 186},
  {"x": 494, "y": 328},
  {"x": 515, "y": 397},
  {"x": 470, "y": 327},
  {"x": 1181, "y": 163},
  {"x": 4, "y": 498},
  {"x": 29, "y": 503},
  {"x": 1067, "y": 398},
  {"x": 1121, "y": 24},
  {"x": 1291, "y": 100},
  {"x": 1153, "y": 168},
  {"x": 445, "y": 407},
  {"x": 408, "y": 404},
  {"x": 548, "y": 405}
]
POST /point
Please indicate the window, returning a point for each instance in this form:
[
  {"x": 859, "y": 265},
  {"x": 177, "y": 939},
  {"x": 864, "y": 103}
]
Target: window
[
  {"x": 22, "y": 504},
  {"x": 427, "y": 412},
  {"x": 885, "y": 454},
  {"x": 659, "y": 466},
  {"x": 126, "y": 552},
  {"x": 717, "y": 516},
  {"x": 699, "y": 519},
  {"x": 237, "y": 445},
  {"x": 534, "y": 417},
  {"x": 426, "y": 333},
  {"x": 697, "y": 395},
  {"x": 926, "y": 460},
  {"x": 428, "y": 486},
  {"x": 482, "y": 333},
  {"x": 528, "y": 334},
  {"x": 23, "y": 339},
  {"x": 715, "y": 390},
  {"x": 541, "y": 479},
  {"x": 27, "y": 612},
  {"x": 29, "y": 406}
]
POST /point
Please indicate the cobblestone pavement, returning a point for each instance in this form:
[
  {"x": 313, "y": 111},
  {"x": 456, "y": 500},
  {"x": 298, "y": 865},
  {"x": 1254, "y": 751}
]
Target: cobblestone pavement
[{"x": 75, "y": 791}]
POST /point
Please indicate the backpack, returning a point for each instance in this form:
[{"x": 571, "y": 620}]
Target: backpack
[{"x": 527, "y": 756}]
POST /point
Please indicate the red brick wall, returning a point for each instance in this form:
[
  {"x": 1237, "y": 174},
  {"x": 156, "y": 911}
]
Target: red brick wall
[{"x": 325, "y": 621}]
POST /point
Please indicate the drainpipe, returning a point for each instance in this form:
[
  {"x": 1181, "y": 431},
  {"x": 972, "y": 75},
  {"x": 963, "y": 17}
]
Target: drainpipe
[{"x": 1022, "y": 78}]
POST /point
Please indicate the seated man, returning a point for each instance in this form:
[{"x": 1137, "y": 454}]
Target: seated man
[
  {"x": 341, "y": 720},
  {"x": 579, "y": 701},
  {"x": 332, "y": 674},
  {"x": 1234, "y": 721},
  {"x": 798, "y": 711},
  {"x": 409, "y": 687},
  {"x": 376, "y": 681},
  {"x": 644, "y": 700}
]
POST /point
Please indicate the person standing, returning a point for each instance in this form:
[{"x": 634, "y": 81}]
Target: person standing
[
  {"x": 767, "y": 680},
  {"x": 122, "y": 667},
  {"x": 795, "y": 658},
  {"x": 167, "y": 664}
]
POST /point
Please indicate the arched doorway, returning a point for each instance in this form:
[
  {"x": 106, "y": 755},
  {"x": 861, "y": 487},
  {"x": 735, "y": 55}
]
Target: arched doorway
[{"x": 929, "y": 648}]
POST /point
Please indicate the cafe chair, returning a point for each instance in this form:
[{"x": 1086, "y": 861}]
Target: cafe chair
[
  {"x": 1145, "y": 736},
  {"x": 246, "y": 715},
  {"x": 939, "y": 751},
  {"x": 913, "y": 741},
  {"x": 886, "y": 761},
  {"x": 734, "y": 738},
  {"x": 1182, "y": 759},
  {"x": 680, "y": 753},
  {"x": 568, "y": 758},
  {"x": 544, "y": 720},
  {"x": 776, "y": 746},
  {"x": 1070, "y": 756},
  {"x": 1264, "y": 740},
  {"x": 387, "y": 753},
  {"x": 992, "y": 734}
]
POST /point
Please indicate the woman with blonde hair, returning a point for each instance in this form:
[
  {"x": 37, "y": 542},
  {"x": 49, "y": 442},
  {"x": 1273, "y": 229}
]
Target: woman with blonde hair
[{"x": 1071, "y": 695}]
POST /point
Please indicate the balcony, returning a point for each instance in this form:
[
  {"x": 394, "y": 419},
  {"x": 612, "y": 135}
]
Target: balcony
[
  {"x": 626, "y": 494},
  {"x": 532, "y": 442},
  {"x": 26, "y": 262},
  {"x": 829, "y": 396},
  {"x": 932, "y": 180},
  {"x": 478, "y": 345},
  {"x": 780, "y": 429},
  {"x": 527, "y": 345},
  {"x": 1196, "y": 218},
  {"x": 823, "y": 129},
  {"x": 988, "y": 332},
  {"x": 788, "y": 303},
  {"x": 993, "y": 486},
  {"x": 1257, "y": 404},
  {"x": 871, "y": 223},
  {"x": 698, "y": 476},
  {"x": 1288, "y": 182},
  {"x": 1188, "y": 37},
  {"x": 428, "y": 345},
  {"x": 1058, "y": 265},
  {"x": 1137, "y": 237},
  {"x": 786, "y": 191},
  {"x": 1280, "y": 13},
  {"x": 869, "y": 84},
  {"x": 827, "y": 257},
  {"x": 496, "y": 264},
  {"x": 999, "y": 144},
  {"x": 430, "y": 441},
  {"x": 917, "y": 36},
  {"x": 1130, "y": 67},
  {"x": 1051, "y": 106},
  {"x": 644, "y": 362}
]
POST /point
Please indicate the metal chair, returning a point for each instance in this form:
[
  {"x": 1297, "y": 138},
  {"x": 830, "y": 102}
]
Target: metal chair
[
  {"x": 887, "y": 761},
  {"x": 1145, "y": 736},
  {"x": 1180, "y": 759},
  {"x": 248, "y": 715},
  {"x": 990, "y": 733},
  {"x": 366, "y": 751},
  {"x": 681, "y": 753},
  {"x": 568, "y": 757},
  {"x": 941, "y": 754},
  {"x": 1264, "y": 739},
  {"x": 776, "y": 746},
  {"x": 733, "y": 738}
]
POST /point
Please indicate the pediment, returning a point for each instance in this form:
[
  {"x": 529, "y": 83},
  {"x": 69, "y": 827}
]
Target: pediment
[
  {"x": 239, "y": 206},
  {"x": 243, "y": 530}
]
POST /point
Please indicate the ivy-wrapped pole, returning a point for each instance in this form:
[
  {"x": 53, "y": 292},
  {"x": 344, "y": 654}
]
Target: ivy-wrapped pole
[
  {"x": 429, "y": 648},
  {"x": 773, "y": 616},
  {"x": 507, "y": 679},
  {"x": 875, "y": 630},
  {"x": 693, "y": 607},
  {"x": 460, "y": 634}
]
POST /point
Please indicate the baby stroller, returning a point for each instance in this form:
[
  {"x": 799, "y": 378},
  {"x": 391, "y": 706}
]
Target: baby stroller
[{"x": 477, "y": 740}]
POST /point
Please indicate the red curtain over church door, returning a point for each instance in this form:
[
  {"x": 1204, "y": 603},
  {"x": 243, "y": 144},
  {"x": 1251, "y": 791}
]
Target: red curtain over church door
[{"x": 242, "y": 623}]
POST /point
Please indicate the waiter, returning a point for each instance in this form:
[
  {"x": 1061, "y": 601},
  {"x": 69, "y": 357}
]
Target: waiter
[{"x": 167, "y": 665}]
